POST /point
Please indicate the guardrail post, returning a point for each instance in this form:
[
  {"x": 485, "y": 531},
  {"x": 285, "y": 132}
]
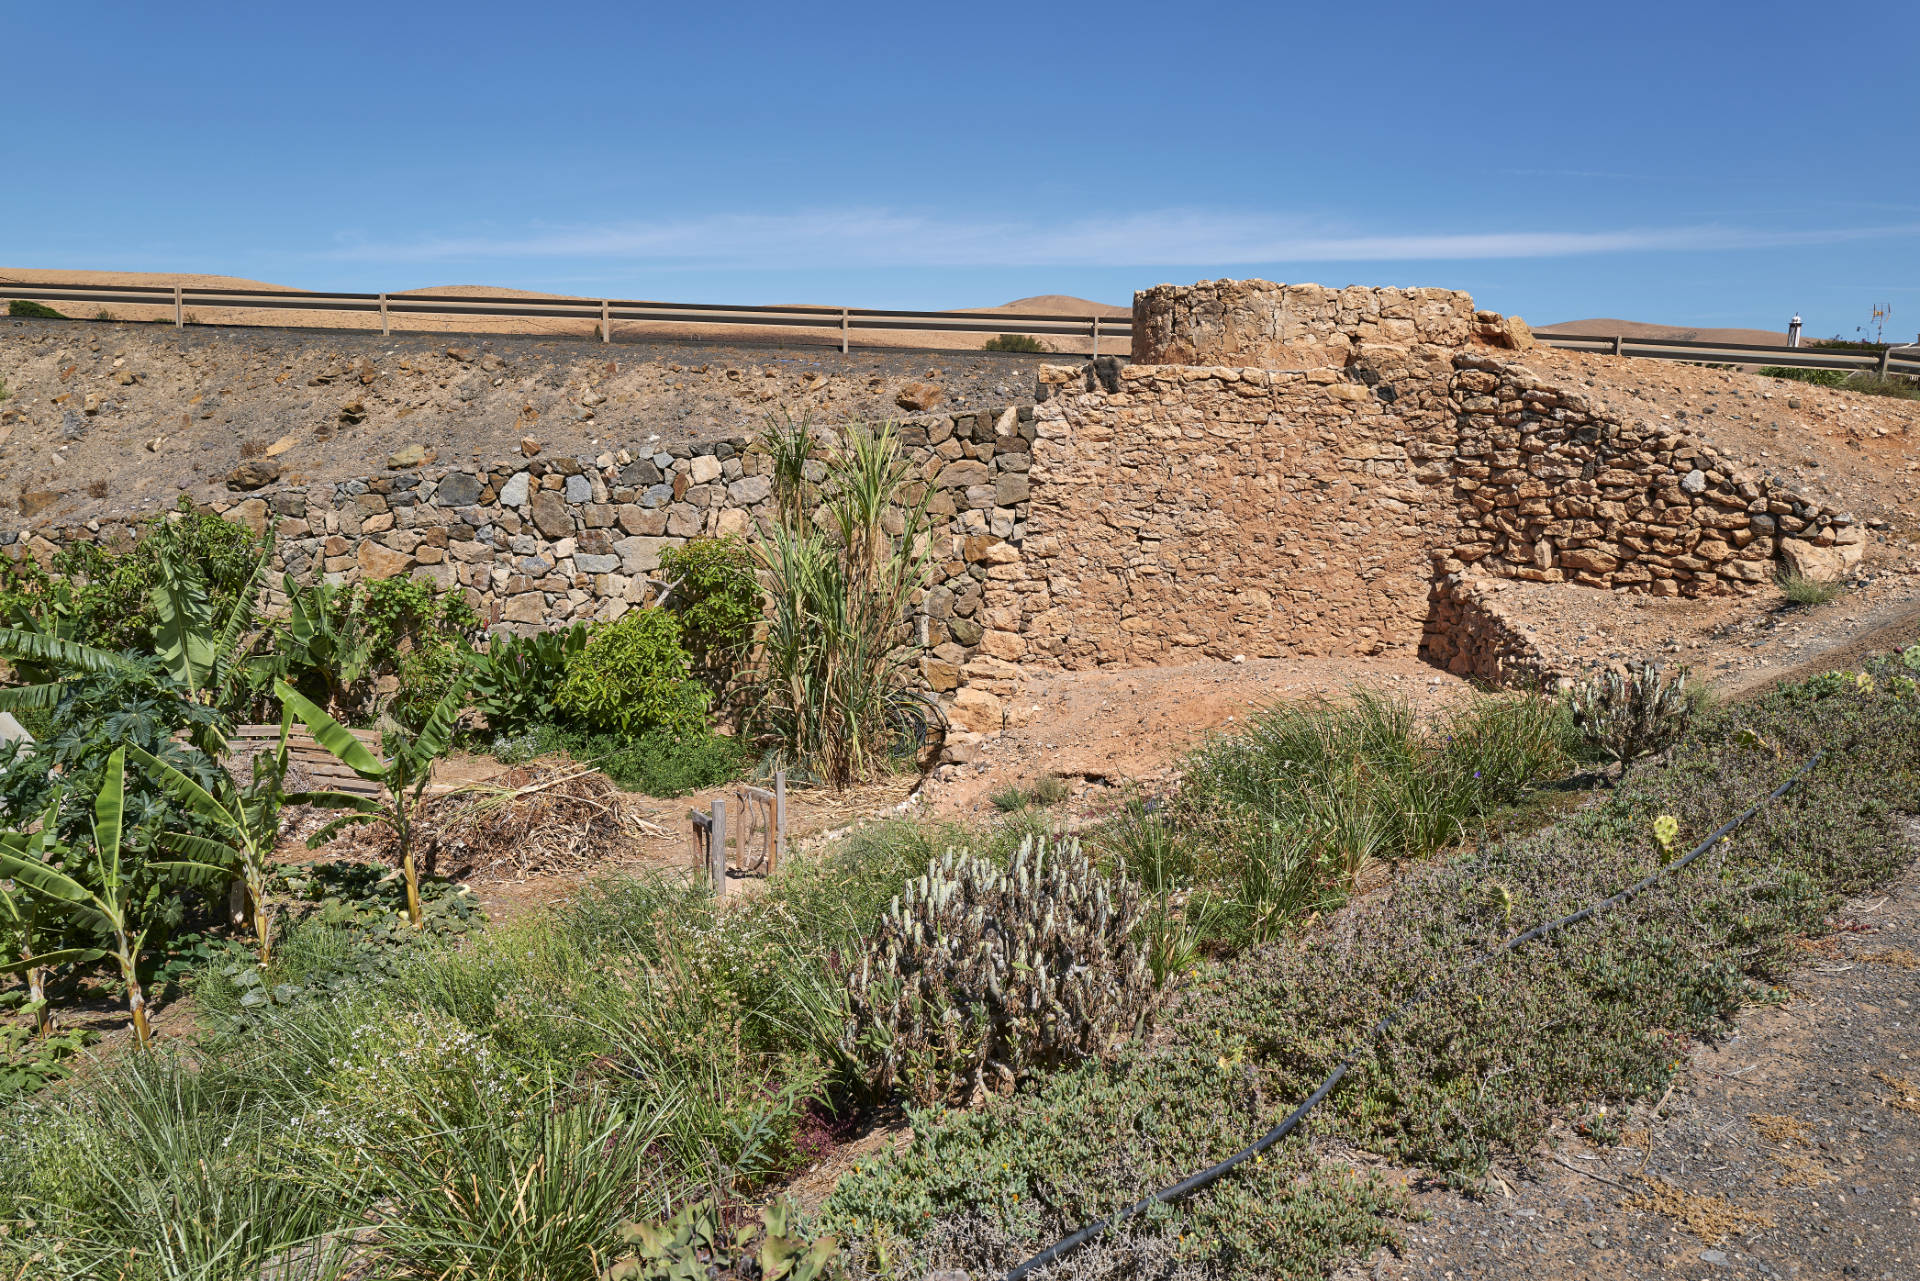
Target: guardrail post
[
  {"x": 1618, "y": 342},
  {"x": 606, "y": 321},
  {"x": 1886, "y": 357},
  {"x": 843, "y": 331},
  {"x": 179, "y": 316},
  {"x": 383, "y": 316},
  {"x": 717, "y": 848},
  {"x": 1096, "y": 337}
]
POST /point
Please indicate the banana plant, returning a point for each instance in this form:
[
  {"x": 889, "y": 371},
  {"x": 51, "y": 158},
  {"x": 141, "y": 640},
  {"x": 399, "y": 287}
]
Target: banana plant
[
  {"x": 109, "y": 910},
  {"x": 27, "y": 912},
  {"x": 402, "y": 777},
  {"x": 319, "y": 635},
  {"x": 245, "y": 820},
  {"x": 209, "y": 663}
]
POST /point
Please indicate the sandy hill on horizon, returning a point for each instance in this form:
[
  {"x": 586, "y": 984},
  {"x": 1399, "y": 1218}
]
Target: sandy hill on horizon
[
  {"x": 1610, "y": 327},
  {"x": 1055, "y": 304}
]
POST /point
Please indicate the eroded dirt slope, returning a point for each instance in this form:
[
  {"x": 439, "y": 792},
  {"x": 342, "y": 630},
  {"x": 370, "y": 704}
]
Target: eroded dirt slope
[{"x": 108, "y": 418}]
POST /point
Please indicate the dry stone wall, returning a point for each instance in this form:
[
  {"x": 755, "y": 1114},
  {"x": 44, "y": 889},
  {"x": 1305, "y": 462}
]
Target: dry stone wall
[
  {"x": 1285, "y": 470},
  {"x": 540, "y": 542},
  {"x": 1553, "y": 488}
]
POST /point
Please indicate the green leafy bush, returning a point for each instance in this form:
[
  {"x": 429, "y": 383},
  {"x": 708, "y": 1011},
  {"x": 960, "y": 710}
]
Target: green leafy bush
[
  {"x": 517, "y": 679},
  {"x": 31, "y": 310},
  {"x": 698, "y": 1243},
  {"x": 1014, "y": 342},
  {"x": 337, "y": 644},
  {"x": 717, "y": 600},
  {"x": 658, "y": 763},
  {"x": 981, "y": 975},
  {"x": 1818, "y": 377},
  {"x": 633, "y": 676}
]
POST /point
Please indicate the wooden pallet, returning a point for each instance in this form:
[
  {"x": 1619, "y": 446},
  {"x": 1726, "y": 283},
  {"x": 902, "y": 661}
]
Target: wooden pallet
[{"x": 310, "y": 767}]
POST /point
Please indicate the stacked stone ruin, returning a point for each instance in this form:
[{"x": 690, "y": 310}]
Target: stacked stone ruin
[{"x": 1283, "y": 470}]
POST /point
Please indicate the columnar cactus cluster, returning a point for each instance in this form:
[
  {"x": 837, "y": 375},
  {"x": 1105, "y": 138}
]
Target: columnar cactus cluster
[
  {"x": 979, "y": 975},
  {"x": 1633, "y": 713}
]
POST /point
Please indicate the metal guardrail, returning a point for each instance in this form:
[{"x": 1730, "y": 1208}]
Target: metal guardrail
[
  {"x": 1892, "y": 360},
  {"x": 605, "y": 313}
]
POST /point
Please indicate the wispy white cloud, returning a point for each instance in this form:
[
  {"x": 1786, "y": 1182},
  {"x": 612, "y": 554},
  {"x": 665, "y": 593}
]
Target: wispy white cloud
[{"x": 885, "y": 238}]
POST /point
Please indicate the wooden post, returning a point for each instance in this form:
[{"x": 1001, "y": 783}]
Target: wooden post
[
  {"x": 179, "y": 316},
  {"x": 717, "y": 848},
  {"x": 1096, "y": 337},
  {"x": 1618, "y": 342},
  {"x": 779, "y": 821},
  {"x": 606, "y": 321},
  {"x": 843, "y": 331},
  {"x": 383, "y": 316}
]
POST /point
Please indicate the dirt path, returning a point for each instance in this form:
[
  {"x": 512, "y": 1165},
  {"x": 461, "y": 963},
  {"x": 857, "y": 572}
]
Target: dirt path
[{"x": 1789, "y": 1149}]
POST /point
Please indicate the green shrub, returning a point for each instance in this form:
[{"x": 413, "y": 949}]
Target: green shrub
[
  {"x": 717, "y": 601},
  {"x": 1799, "y": 589},
  {"x": 106, "y": 596},
  {"x": 980, "y": 976},
  {"x": 698, "y": 1242},
  {"x": 517, "y": 679},
  {"x": 26, "y": 307},
  {"x": 1014, "y": 342},
  {"x": 657, "y": 762},
  {"x": 1818, "y": 377},
  {"x": 1898, "y": 386},
  {"x": 985, "y": 1189},
  {"x": 633, "y": 676}
]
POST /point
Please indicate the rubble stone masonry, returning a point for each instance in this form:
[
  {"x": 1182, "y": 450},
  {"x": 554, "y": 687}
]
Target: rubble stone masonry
[{"x": 1283, "y": 470}]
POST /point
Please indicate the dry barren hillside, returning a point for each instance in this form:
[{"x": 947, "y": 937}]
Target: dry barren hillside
[{"x": 120, "y": 417}]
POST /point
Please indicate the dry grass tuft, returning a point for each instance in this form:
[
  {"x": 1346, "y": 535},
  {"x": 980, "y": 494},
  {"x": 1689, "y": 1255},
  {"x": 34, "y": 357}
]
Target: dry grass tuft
[
  {"x": 1803, "y": 1171},
  {"x": 1901, "y": 958},
  {"x": 1906, "y": 1095},
  {"x": 1713, "y": 1219},
  {"x": 1780, "y": 1129}
]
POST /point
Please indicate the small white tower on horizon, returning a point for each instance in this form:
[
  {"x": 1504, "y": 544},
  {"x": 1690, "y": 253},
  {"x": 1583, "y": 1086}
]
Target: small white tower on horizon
[{"x": 1793, "y": 330}]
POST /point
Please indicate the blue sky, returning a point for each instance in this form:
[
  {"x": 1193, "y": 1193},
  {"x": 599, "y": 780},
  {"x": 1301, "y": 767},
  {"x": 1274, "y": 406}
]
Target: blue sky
[{"x": 1699, "y": 164}]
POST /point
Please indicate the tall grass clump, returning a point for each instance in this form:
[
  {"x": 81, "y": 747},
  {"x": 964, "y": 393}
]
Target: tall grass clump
[
  {"x": 839, "y": 581},
  {"x": 1802, "y": 589},
  {"x": 1310, "y": 794}
]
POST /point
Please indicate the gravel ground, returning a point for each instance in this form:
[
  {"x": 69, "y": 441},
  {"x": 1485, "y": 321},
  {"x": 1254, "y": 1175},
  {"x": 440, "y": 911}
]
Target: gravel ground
[
  {"x": 1788, "y": 1149},
  {"x": 108, "y": 418}
]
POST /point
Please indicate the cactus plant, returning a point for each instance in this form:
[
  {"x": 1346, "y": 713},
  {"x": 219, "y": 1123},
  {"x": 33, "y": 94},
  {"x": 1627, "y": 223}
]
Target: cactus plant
[
  {"x": 694, "y": 1245},
  {"x": 1633, "y": 713},
  {"x": 979, "y": 975}
]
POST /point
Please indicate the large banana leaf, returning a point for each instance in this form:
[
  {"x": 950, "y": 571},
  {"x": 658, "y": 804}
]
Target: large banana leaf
[
  {"x": 183, "y": 623},
  {"x": 338, "y": 801},
  {"x": 201, "y": 850},
  {"x": 41, "y": 879},
  {"x": 330, "y": 734},
  {"x": 22, "y": 645},
  {"x": 109, "y": 811},
  {"x": 438, "y": 731},
  {"x": 25, "y": 697},
  {"x": 46, "y": 960},
  {"x": 338, "y": 826}
]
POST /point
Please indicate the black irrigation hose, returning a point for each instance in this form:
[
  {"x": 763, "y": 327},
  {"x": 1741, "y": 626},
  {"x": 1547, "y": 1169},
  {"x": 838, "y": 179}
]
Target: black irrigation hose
[{"x": 1195, "y": 1182}]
